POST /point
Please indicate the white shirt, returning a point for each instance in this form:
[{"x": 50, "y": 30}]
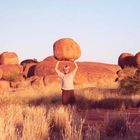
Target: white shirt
[{"x": 67, "y": 80}]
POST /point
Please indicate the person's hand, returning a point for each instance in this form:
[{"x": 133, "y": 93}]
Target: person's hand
[{"x": 58, "y": 61}]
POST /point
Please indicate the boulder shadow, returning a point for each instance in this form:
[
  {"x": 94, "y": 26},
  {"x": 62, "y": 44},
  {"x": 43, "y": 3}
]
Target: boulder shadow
[
  {"x": 109, "y": 103},
  {"x": 54, "y": 100}
]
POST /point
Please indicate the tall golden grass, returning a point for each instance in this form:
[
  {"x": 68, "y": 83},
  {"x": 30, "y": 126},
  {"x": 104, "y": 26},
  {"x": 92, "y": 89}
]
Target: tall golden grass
[{"x": 19, "y": 122}]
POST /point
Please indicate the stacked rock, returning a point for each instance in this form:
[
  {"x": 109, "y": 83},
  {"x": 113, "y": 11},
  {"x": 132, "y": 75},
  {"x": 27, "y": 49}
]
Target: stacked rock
[{"x": 66, "y": 49}]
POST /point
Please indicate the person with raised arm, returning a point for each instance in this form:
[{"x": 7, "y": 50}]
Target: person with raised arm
[{"x": 67, "y": 83}]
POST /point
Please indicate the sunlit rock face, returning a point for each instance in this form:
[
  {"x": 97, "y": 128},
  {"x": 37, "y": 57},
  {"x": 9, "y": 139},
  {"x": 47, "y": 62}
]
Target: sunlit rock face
[
  {"x": 9, "y": 58},
  {"x": 66, "y": 49}
]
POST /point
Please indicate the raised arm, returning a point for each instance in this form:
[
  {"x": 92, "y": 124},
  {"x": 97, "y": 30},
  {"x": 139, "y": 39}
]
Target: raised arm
[
  {"x": 76, "y": 66},
  {"x": 56, "y": 67},
  {"x": 60, "y": 74}
]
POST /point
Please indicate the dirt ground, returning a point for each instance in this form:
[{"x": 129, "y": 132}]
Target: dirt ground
[{"x": 98, "y": 118}]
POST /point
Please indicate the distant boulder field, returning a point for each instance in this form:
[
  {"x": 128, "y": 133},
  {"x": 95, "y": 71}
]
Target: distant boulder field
[{"x": 30, "y": 72}]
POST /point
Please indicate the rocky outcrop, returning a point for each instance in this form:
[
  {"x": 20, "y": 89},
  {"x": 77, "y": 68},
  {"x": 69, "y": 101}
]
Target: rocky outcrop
[
  {"x": 137, "y": 59},
  {"x": 29, "y": 69},
  {"x": 89, "y": 74},
  {"x": 11, "y": 72},
  {"x": 126, "y": 60},
  {"x": 129, "y": 60},
  {"x": 50, "y": 59}
]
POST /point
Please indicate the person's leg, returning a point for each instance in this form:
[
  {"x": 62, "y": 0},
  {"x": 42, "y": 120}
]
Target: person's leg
[
  {"x": 65, "y": 97},
  {"x": 68, "y": 97},
  {"x": 72, "y": 98}
]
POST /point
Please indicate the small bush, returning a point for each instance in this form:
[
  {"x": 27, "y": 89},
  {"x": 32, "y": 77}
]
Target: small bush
[{"x": 130, "y": 84}]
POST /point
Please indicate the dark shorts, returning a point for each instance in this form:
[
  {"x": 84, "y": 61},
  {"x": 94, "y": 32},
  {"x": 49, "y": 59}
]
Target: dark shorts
[{"x": 68, "y": 97}]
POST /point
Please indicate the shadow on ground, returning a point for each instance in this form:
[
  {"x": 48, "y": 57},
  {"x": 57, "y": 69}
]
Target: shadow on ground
[
  {"x": 83, "y": 103},
  {"x": 110, "y": 103},
  {"x": 53, "y": 100}
]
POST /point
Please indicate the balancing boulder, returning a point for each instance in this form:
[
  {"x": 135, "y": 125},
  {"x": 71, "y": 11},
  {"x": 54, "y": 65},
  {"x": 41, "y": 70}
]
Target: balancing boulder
[
  {"x": 66, "y": 49},
  {"x": 9, "y": 58}
]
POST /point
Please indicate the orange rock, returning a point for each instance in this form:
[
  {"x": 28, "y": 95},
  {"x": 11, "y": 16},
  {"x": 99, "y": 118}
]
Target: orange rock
[
  {"x": 137, "y": 59},
  {"x": 45, "y": 68},
  {"x": 28, "y": 69},
  {"x": 89, "y": 74},
  {"x": 11, "y": 71},
  {"x": 37, "y": 82},
  {"x": 50, "y": 59},
  {"x": 9, "y": 58},
  {"x": 126, "y": 59},
  {"x": 66, "y": 49},
  {"x": 1, "y": 73},
  {"x": 52, "y": 84}
]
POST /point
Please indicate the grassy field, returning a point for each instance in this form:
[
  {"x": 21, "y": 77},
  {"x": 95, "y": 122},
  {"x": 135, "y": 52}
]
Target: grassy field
[
  {"x": 98, "y": 114},
  {"x": 32, "y": 115}
]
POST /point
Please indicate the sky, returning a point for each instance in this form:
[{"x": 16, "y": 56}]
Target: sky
[{"x": 103, "y": 28}]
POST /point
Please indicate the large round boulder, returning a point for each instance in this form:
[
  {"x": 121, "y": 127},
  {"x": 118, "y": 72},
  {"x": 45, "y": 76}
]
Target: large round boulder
[
  {"x": 11, "y": 72},
  {"x": 9, "y": 58},
  {"x": 66, "y": 49},
  {"x": 126, "y": 59}
]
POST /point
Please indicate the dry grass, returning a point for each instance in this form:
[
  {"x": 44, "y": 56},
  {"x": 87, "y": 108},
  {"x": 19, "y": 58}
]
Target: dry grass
[
  {"x": 117, "y": 124},
  {"x": 105, "y": 99},
  {"x": 40, "y": 123},
  {"x": 85, "y": 98},
  {"x": 19, "y": 122},
  {"x": 37, "y": 114},
  {"x": 66, "y": 123}
]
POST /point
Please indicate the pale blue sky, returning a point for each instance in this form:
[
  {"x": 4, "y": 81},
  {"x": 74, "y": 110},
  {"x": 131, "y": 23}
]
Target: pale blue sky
[{"x": 103, "y": 28}]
